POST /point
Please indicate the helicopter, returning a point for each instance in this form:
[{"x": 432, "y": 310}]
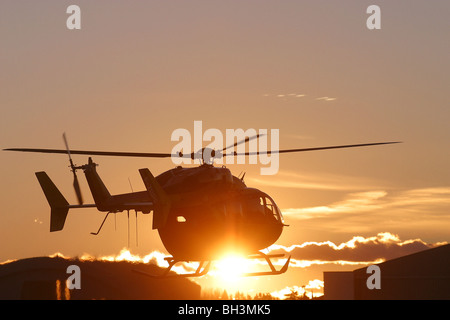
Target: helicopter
[{"x": 199, "y": 212}]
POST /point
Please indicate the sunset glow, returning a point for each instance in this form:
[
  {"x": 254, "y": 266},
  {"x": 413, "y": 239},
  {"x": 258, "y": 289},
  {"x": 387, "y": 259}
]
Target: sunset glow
[
  {"x": 227, "y": 273},
  {"x": 129, "y": 77},
  {"x": 230, "y": 268}
]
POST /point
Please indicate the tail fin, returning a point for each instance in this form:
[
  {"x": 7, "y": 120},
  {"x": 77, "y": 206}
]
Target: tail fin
[
  {"x": 99, "y": 191},
  {"x": 159, "y": 197},
  {"x": 58, "y": 204}
]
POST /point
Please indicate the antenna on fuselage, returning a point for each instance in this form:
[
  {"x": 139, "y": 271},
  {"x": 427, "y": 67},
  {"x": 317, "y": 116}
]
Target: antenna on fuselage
[{"x": 131, "y": 186}]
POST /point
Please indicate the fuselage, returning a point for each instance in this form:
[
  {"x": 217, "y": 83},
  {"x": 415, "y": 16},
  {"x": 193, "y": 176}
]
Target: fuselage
[
  {"x": 210, "y": 211},
  {"x": 214, "y": 213}
]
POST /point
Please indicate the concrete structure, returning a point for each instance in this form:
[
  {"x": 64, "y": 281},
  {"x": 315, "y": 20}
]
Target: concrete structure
[{"x": 423, "y": 275}]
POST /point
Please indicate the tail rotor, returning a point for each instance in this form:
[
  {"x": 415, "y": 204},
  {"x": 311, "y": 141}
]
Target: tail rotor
[{"x": 76, "y": 184}]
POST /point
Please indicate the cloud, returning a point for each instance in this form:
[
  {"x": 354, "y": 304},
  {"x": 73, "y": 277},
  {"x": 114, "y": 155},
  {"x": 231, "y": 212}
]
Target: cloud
[
  {"x": 355, "y": 202},
  {"x": 315, "y": 181},
  {"x": 7, "y": 261},
  {"x": 285, "y": 95},
  {"x": 293, "y": 96},
  {"x": 155, "y": 257},
  {"x": 326, "y": 99},
  {"x": 427, "y": 210},
  {"x": 358, "y": 250},
  {"x": 381, "y": 199}
]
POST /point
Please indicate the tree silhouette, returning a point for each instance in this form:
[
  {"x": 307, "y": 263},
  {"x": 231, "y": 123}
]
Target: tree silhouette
[
  {"x": 224, "y": 295},
  {"x": 293, "y": 295}
]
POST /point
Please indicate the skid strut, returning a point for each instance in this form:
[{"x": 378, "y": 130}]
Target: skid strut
[
  {"x": 101, "y": 226},
  {"x": 272, "y": 271},
  {"x": 203, "y": 267}
]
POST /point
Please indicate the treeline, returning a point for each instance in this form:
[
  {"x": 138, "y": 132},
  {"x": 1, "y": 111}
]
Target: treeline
[{"x": 217, "y": 294}]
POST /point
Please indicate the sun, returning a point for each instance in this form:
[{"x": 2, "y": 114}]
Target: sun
[{"x": 231, "y": 267}]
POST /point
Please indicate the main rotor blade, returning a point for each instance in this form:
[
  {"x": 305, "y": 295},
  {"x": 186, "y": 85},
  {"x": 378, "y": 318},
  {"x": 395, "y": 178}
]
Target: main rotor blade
[
  {"x": 242, "y": 141},
  {"x": 168, "y": 155},
  {"x": 96, "y": 153},
  {"x": 311, "y": 149}
]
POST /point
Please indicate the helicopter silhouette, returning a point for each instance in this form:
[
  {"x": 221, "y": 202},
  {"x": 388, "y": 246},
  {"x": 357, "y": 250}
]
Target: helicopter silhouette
[{"x": 199, "y": 212}]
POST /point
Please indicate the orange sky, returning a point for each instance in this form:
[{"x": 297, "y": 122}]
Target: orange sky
[{"x": 136, "y": 72}]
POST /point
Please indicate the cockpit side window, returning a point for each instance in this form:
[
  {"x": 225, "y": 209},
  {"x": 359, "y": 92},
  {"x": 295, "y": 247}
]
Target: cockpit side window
[
  {"x": 270, "y": 207},
  {"x": 261, "y": 206},
  {"x": 273, "y": 209}
]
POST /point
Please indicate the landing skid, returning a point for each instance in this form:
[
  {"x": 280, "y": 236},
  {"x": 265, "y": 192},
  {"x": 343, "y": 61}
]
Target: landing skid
[
  {"x": 204, "y": 266},
  {"x": 272, "y": 271}
]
